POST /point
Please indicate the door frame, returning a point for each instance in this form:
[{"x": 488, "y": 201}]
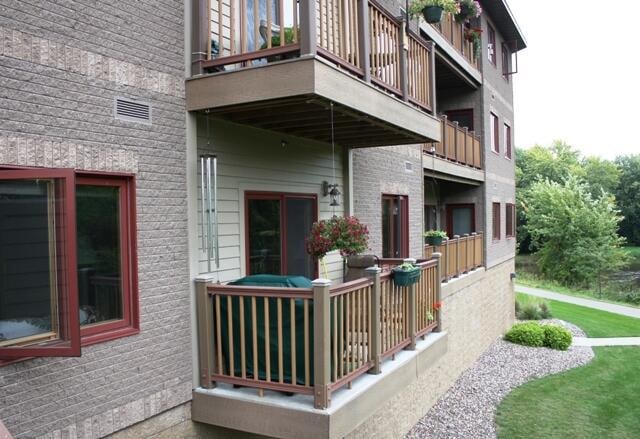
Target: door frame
[
  {"x": 449, "y": 210},
  {"x": 281, "y": 196},
  {"x": 404, "y": 227}
]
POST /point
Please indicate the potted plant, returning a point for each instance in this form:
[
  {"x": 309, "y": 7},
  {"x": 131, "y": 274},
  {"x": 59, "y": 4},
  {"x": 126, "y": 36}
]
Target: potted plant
[
  {"x": 474, "y": 35},
  {"x": 468, "y": 9},
  {"x": 435, "y": 237},
  {"x": 275, "y": 42},
  {"x": 405, "y": 274},
  {"x": 432, "y": 10}
]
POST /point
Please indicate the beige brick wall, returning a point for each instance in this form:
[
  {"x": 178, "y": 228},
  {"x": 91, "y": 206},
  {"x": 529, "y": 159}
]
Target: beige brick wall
[{"x": 473, "y": 315}]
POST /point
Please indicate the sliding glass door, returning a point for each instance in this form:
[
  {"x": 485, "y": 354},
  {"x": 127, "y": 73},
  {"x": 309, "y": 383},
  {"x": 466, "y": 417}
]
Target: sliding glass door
[
  {"x": 276, "y": 229},
  {"x": 395, "y": 226}
]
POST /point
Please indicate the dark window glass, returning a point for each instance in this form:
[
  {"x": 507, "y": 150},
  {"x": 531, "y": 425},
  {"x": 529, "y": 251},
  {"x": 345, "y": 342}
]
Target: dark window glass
[
  {"x": 28, "y": 287},
  {"x": 463, "y": 117},
  {"x": 299, "y": 216},
  {"x": 492, "y": 46},
  {"x": 265, "y": 252},
  {"x": 507, "y": 141},
  {"x": 496, "y": 221},
  {"x": 510, "y": 218},
  {"x": 99, "y": 253},
  {"x": 495, "y": 133},
  {"x": 395, "y": 226},
  {"x": 506, "y": 64},
  {"x": 462, "y": 220}
]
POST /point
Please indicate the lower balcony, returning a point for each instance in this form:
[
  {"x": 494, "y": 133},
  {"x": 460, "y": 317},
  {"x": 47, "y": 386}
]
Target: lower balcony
[
  {"x": 322, "y": 70},
  {"x": 460, "y": 255},
  {"x": 304, "y": 354}
]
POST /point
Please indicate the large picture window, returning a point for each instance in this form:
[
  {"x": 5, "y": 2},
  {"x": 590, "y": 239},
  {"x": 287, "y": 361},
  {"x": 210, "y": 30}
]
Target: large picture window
[{"x": 67, "y": 249}]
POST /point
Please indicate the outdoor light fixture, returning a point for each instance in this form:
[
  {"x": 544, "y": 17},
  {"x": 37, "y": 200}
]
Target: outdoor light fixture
[{"x": 332, "y": 191}]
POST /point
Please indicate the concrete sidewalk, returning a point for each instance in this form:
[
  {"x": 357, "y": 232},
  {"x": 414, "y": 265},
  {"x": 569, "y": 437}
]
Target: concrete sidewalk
[
  {"x": 612, "y": 341},
  {"x": 589, "y": 303}
]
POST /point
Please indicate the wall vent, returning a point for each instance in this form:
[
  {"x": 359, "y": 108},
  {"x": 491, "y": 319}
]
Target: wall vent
[
  {"x": 133, "y": 111},
  {"x": 408, "y": 167}
]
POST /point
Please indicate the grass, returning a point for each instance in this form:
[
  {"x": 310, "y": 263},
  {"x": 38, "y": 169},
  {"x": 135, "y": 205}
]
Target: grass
[
  {"x": 597, "y": 400},
  {"x": 531, "y": 280},
  {"x": 633, "y": 251},
  {"x": 594, "y": 322}
]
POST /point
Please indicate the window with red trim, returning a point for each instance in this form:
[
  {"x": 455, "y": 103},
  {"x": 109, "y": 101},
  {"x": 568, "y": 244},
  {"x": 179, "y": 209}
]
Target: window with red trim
[
  {"x": 496, "y": 222},
  {"x": 492, "y": 46},
  {"x": 495, "y": 133},
  {"x": 511, "y": 220},
  {"x": 395, "y": 226},
  {"x": 507, "y": 141},
  {"x": 67, "y": 258},
  {"x": 506, "y": 62}
]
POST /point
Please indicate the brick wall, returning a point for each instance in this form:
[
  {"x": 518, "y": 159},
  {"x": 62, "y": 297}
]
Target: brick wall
[{"x": 63, "y": 63}]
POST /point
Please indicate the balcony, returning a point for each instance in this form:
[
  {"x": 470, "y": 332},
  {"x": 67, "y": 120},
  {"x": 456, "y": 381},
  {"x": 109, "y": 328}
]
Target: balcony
[
  {"x": 454, "y": 33},
  {"x": 285, "y": 66},
  {"x": 460, "y": 255}
]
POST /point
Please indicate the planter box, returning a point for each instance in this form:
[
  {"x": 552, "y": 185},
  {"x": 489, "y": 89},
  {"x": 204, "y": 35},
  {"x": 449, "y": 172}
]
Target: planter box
[{"x": 405, "y": 278}]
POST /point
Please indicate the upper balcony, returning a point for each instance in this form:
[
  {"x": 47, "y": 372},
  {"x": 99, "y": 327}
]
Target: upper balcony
[{"x": 282, "y": 64}]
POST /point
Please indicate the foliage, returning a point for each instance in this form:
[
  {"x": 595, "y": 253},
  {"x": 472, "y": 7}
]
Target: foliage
[
  {"x": 557, "y": 337},
  {"x": 575, "y": 234},
  {"x": 435, "y": 234},
  {"x": 532, "y": 311},
  {"x": 474, "y": 35},
  {"x": 594, "y": 322},
  {"x": 407, "y": 266},
  {"x": 596, "y": 400},
  {"x": 600, "y": 175},
  {"x": 346, "y": 234},
  {"x": 628, "y": 196},
  {"x": 469, "y": 9},
  {"x": 275, "y": 38},
  {"x": 416, "y": 6},
  {"x": 527, "y": 334}
]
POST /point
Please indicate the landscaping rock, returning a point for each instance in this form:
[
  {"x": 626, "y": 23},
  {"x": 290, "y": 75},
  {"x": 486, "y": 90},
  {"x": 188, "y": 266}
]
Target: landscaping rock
[{"x": 468, "y": 408}]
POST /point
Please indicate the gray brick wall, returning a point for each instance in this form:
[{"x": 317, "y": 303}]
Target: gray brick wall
[
  {"x": 62, "y": 65},
  {"x": 378, "y": 171}
]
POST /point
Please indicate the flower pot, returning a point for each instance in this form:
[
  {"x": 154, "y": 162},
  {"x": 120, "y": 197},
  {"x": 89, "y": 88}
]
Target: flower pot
[
  {"x": 434, "y": 240},
  {"x": 432, "y": 14},
  {"x": 404, "y": 278}
]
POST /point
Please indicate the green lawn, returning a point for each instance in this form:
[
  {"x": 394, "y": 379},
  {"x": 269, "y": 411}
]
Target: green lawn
[
  {"x": 599, "y": 400},
  {"x": 592, "y": 321},
  {"x": 633, "y": 251}
]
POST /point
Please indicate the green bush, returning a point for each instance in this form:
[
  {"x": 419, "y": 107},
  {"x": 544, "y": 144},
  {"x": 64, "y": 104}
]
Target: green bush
[
  {"x": 533, "y": 310},
  {"x": 545, "y": 311},
  {"x": 557, "y": 337},
  {"x": 528, "y": 334}
]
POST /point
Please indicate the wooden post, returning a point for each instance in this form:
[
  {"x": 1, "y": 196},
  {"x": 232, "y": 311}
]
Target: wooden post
[
  {"x": 412, "y": 310},
  {"x": 206, "y": 351},
  {"x": 444, "y": 136},
  {"x": 321, "y": 343},
  {"x": 364, "y": 37},
  {"x": 373, "y": 273},
  {"x": 432, "y": 75},
  {"x": 445, "y": 261},
  {"x": 457, "y": 258},
  {"x": 308, "y": 40},
  {"x": 199, "y": 35},
  {"x": 438, "y": 257}
]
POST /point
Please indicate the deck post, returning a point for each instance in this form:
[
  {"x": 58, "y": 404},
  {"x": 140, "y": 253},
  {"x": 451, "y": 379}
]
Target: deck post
[
  {"x": 412, "y": 311},
  {"x": 445, "y": 139},
  {"x": 373, "y": 273},
  {"x": 432, "y": 75},
  {"x": 308, "y": 37},
  {"x": 364, "y": 39},
  {"x": 321, "y": 343},
  {"x": 456, "y": 238},
  {"x": 199, "y": 35},
  {"x": 444, "y": 260},
  {"x": 438, "y": 257},
  {"x": 206, "y": 351},
  {"x": 403, "y": 48}
]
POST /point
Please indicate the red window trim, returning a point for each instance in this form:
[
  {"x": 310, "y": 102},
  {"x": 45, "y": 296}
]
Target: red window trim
[
  {"x": 513, "y": 220},
  {"x": 130, "y": 323},
  {"x": 449, "y": 210},
  {"x": 100, "y": 332},
  {"x": 493, "y": 59},
  {"x": 404, "y": 227},
  {"x": 506, "y": 54},
  {"x": 495, "y": 120},
  {"x": 508, "y": 153},
  {"x": 266, "y": 195},
  {"x": 497, "y": 222}
]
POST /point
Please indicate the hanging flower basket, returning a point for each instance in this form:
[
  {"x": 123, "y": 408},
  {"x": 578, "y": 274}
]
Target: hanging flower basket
[
  {"x": 435, "y": 237},
  {"x": 432, "y": 14},
  {"x": 469, "y": 9},
  {"x": 405, "y": 275}
]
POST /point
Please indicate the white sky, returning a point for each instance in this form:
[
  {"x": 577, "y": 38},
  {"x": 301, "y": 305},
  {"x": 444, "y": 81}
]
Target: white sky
[{"x": 579, "y": 77}]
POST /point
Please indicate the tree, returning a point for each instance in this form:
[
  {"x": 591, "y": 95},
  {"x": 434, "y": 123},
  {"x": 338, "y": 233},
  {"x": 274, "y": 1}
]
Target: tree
[
  {"x": 628, "y": 197},
  {"x": 574, "y": 232},
  {"x": 601, "y": 175}
]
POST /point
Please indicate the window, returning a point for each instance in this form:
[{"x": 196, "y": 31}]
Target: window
[
  {"x": 496, "y": 222},
  {"x": 67, "y": 255},
  {"x": 492, "y": 46},
  {"x": 507, "y": 141},
  {"x": 461, "y": 219},
  {"x": 495, "y": 136},
  {"x": 511, "y": 220},
  {"x": 463, "y": 117},
  {"x": 277, "y": 226},
  {"x": 395, "y": 226},
  {"x": 506, "y": 64}
]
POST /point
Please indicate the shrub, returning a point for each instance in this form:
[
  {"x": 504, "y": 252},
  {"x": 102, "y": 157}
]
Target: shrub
[
  {"x": 518, "y": 308},
  {"x": 545, "y": 311},
  {"x": 530, "y": 311},
  {"x": 528, "y": 334},
  {"x": 557, "y": 337}
]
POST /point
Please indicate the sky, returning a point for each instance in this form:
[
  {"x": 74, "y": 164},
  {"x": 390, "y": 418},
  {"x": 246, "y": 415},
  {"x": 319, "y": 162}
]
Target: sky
[{"x": 578, "y": 79}]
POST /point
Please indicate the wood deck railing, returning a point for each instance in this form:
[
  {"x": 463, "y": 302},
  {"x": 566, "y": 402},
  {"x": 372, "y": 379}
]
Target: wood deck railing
[
  {"x": 453, "y": 32},
  {"x": 359, "y": 36},
  {"x": 458, "y": 145},
  {"x": 311, "y": 341},
  {"x": 459, "y": 255}
]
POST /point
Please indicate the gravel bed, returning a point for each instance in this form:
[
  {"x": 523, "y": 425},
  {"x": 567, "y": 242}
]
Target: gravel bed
[{"x": 468, "y": 408}]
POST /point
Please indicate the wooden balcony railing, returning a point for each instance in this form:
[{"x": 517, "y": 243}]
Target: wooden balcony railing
[
  {"x": 459, "y": 255},
  {"x": 311, "y": 341},
  {"x": 458, "y": 145},
  {"x": 359, "y": 36},
  {"x": 454, "y": 32}
]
